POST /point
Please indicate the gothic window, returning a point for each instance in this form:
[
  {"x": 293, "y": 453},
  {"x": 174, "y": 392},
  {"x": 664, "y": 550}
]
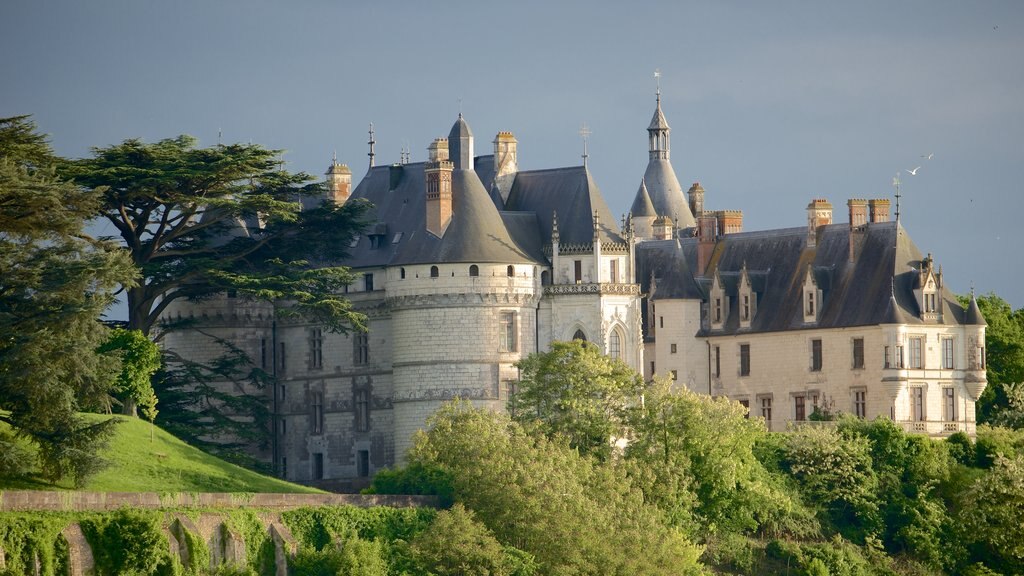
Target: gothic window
[
  {"x": 545, "y": 278},
  {"x": 316, "y": 348},
  {"x": 507, "y": 332},
  {"x": 898, "y": 359},
  {"x": 744, "y": 359},
  {"x": 511, "y": 271},
  {"x": 858, "y": 353},
  {"x": 474, "y": 270},
  {"x": 361, "y": 352},
  {"x": 615, "y": 345},
  {"x": 317, "y": 413},
  {"x": 915, "y": 353},
  {"x": 579, "y": 335},
  {"x": 578, "y": 270},
  {"x": 816, "y": 355},
  {"x": 746, "y": 406},
  {"x": 947, "y": 353},
  {"x": 434, "y": 272},
  {"x": 362, "y": 406}
]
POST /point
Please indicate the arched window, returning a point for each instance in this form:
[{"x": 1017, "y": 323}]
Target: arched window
[
  {"x": 474, "y": 270},
  {"x": 545, "y": 278},
  {"x": 402, "y": 271},
  {"x": 615, "y": 345},
  {"x": 434, "y": 273},
  {"x": 579, "y": 335},
  {"x": 511, "y": 271}
]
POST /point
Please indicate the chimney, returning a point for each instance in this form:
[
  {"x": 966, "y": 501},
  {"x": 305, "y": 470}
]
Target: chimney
[
  {"x": 819, "y": 213},
  {"x": 662, "y": 228},
  {"x": 696, "y": 195},
  {"x": 729, "y": 221},
  {"x": 707, "y": 235},
  {"x": 858, "y": 219},
  {"x": 339, "y": 183},
  {"x": 438, "y": 171},
  {"x": 506, "y": 162},
  {"x": 879, "y": 208}
]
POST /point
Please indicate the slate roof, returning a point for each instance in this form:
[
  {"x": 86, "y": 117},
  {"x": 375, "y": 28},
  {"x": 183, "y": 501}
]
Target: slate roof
[
  {"x": 572, "y": 193},
  {"x": 642, "y": 203},
  {"x": 666, "y": 193},
  {"x": 777, "y": 261},
  {"x": 974, "y": 316},
  {"x": 658, "y": 122}
]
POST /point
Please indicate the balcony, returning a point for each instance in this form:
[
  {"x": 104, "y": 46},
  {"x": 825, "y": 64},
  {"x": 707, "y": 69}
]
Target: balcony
[{"x": 591, "y": 288}]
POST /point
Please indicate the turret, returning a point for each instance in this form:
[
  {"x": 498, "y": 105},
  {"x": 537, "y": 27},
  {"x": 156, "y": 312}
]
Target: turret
[
  {"x": 339, "y": 182},
  {"x": 696, "y": 196},
  {"x": 642, "y": 213},
  {"x": 460, "y": 144},
  {"x": 438, "y": 172}
]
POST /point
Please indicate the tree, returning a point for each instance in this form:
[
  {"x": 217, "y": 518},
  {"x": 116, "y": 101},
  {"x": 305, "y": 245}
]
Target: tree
[
  {"x": 55, "y": 282},
  {"x": 991, "y": 514},
  {"x": 575, "y": 514},
  {"x": 198, "y": 221},
  {"x": 575, "y": 391},
  {"x": 456, "y": 543},
  {"x": 140, "y": 358}
]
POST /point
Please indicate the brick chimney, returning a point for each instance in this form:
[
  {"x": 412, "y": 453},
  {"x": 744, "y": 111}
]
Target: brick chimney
[
  {"x": 858, "y": 219},
  {"x": 339, "y": 183},
  {"x": 707, "y": 235},
  {"x": 729, "y": 221},
  {"x": 819, "y": 213},
  {"x": 438, "y": 172},
  {"x": 879, "y": 209}
]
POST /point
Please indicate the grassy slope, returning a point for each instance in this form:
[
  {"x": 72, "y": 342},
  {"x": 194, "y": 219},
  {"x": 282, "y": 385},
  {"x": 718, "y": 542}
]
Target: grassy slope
[{"x": 161, "y": 464}]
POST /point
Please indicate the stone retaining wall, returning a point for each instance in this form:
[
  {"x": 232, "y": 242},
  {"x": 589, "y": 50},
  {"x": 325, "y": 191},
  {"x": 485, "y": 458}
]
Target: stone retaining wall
[{"x": 29, "y": 500}]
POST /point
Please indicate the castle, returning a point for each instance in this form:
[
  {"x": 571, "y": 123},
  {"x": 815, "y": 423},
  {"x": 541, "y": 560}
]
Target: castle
[{"x": 471, "y": 264}]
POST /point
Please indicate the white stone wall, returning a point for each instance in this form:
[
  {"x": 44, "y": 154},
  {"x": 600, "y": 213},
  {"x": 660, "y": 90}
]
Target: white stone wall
[{"x": 675, "y": 323}]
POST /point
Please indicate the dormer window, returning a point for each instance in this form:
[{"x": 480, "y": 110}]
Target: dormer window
[{"x": 719, "y": 303}]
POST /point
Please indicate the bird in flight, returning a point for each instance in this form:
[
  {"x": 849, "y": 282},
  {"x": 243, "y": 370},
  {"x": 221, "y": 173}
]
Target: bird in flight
[
  {"x": 914, "y": 171},
  {"x": 928, "y": 157}
]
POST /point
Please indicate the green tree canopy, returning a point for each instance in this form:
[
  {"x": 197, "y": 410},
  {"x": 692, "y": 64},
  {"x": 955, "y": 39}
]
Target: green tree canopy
[
  {"x": 55, "y": 282},
  {"x": 1004, "y": 351},
  {"x": 575, "y": 391},
  {"x": 198, "y": 221},
  {"x": 140, "y": 358}
]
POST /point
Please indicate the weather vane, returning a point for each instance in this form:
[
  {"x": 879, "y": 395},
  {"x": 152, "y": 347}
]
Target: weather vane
[
  {"x": 585, "y": 133},
  {"x": 657, "y": 79}
]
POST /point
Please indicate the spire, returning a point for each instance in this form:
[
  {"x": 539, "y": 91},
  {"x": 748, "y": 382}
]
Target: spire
[
  {"x": 371, "y": 143},
  {"x": 460, "y": 144},
  {"x": 642, "y": 205},
  {"x": 974, "y": 316}
]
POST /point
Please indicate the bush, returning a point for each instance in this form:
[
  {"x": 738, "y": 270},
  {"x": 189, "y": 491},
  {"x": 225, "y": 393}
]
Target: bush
[
  {"x": 349, "y": 556},
  {"x": 15, "y": 458},
  {"x": 416, "y": 478},
  {"x": 961, "y": 448},
  {"x": 128, "y": 541},
  {"x": 995, "y": 440}
]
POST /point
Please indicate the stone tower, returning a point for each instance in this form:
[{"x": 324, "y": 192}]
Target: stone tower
[
  {"x": 339, "y": 182},
  {"x": 662, "y": 184}
]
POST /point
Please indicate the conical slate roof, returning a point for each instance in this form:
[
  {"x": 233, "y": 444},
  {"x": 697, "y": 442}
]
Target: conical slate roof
[
  {"x": 666, "y": 193},
  {"x": 642, "y": 203},
  {"x": 974, "y": 315},
  {"x": 658, "y": 122}
]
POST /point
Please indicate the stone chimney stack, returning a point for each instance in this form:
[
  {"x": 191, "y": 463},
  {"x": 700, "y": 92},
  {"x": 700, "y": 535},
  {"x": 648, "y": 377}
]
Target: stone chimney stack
[
  {"x": 858, "y": 219},
  {"x": 506, "y": 162},
  {"x": 662, "y": 228},
  {"x": 819, "y": 213},
  {"x": 339, "y": 182},
  {"x": 707, "y": 235},
  {"x": 696, "y": 196},
  {"x": 438, "y": 171},
  {"x": 879, "y": 209}
]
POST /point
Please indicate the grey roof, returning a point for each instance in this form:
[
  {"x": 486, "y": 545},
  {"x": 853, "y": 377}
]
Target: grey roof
[
  {"x": 460, "y": 131},
  {"x": 572, "y": 193},
  {"x": 642, "y": 203},
  {"x": 476, "y": 232},
  {"x": 893, "y": 313},
  {"x": 666, "y": 193},
  {"x": 664, "y": 272},
  {"x": 974, "y": 317},
  {"x": 658, "y": 122},
  {"x": 854, "y": 293}
]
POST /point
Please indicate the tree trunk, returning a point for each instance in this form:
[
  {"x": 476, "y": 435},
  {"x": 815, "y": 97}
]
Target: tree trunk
[{"x": 129, "y": 408}]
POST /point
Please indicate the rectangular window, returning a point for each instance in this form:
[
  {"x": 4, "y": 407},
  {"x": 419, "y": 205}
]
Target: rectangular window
[
  {"x": 578, "y": 270},
  {"x": 917, "y": 403},
  {"x": 947, "y": 353},
  {"x": 746, "y": 307},
  {"x": 661, "y": 321},
  {"x": 507, "y": 332},
  {"x": 744, "y": 359},
  {"x": 766, "y": 408},
  {"x": 860, "y": 404},
  {"x": 675, "y": 375},
  {"x": 363, "y": 463},
  {"x": 949, "y": 405},
  {"x": 652, "y": 368},
  {"x": 899, "y": 356},
  {"x": 316, "y": 349},
  {"x": 982, "y": 357},
  {"x": 858, "y": 353},
  {"x": 317, "y": 413},
  {"x": 282, "y": 426},
  {"x": 263, "y": 353},
  {"x": 816, "y": 355},
  {"x": 915, "y": 353},
  {"x": 318, "y": 466},
  {"x": 810, "y": 303},
  {"x": 281, "y": 357},
  {"x": 614, "y": 272},
  {"x": 362, "y": 404},
  {"x": 368, "y": 282},
  {"x": 799, "y": 408},
  {"x": 672, "y": 348},
  {"x": 718, "y": 310},
  {"x": 746, "y": 407},
  {"x": 361, "y": 351},
  {"x": 718, "y": 362}
]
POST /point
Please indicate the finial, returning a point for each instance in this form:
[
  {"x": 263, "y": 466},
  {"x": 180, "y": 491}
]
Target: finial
[
  {"x": 334, "y": 157},
  {"x": 460, "y": 106},
  {"x": 657, "y": 78},
  {"x": 585, "y": 133},
  {"x": 371, "y": 142},
  {"x": 972, "y": 289},
  {"x": 896, "y": 183}
]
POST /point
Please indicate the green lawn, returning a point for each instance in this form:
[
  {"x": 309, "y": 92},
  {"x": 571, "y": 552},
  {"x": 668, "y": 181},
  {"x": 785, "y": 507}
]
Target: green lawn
[{"x": 161, "y": 464}]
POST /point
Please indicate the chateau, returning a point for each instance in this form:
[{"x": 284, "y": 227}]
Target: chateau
[{"x": 471, "y": 264}]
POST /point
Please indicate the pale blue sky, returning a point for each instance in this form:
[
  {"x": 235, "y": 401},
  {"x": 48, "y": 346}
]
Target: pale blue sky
[{"x": 771, "y": 103}]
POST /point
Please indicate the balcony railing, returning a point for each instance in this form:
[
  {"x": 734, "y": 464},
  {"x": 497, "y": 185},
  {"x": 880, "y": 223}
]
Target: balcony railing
[{"x": 933, "y": 428}]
